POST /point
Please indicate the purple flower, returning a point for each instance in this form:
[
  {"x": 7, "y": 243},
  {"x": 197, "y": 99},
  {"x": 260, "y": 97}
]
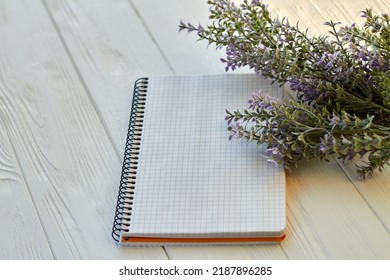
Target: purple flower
[
  {"x": 307, "y": 90},
  {"x": 324, "y": 148},
  {"x": 261, "y": 102},
  {"x": 335, "y": 120}
]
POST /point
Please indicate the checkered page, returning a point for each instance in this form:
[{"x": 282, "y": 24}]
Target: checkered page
[{"x": 191, "y": 180}]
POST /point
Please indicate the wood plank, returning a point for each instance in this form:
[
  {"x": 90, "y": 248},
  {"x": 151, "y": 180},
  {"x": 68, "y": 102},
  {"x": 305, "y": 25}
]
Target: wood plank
[
  {"x": 21, "y": 232},
  {"x": 182, "y": 51},
  {"x": 65, "y": 153},
  {"x": 329, "y": 219},
  {"x": 349, "y": 216},
  {"x": 313, "y": 14},
  {"x": 375, "y": 190},
  {"x": 243, "y": 252},
  {"x": 111, "y": 49}
]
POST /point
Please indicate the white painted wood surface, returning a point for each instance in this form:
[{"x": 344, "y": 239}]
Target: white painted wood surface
[{"x": 67, "y": 69}]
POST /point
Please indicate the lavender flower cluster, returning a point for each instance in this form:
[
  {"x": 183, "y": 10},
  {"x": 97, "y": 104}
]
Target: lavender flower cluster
[{"x": 342, "y": 83}]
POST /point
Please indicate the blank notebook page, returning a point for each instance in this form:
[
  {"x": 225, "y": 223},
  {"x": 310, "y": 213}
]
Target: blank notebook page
[{"x": 191, "y": 180}]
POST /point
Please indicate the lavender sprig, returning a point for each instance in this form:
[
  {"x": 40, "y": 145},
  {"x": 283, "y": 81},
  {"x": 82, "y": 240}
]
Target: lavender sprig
[
  {"x": 342, "y": 82},
  {"x": 294, "y": 132}
]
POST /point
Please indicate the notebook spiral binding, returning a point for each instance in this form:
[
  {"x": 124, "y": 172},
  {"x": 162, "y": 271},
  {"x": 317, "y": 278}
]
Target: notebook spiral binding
[{"x": 124, "y": 206}]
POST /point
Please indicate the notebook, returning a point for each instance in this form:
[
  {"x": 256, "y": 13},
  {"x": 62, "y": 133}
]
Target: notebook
[{"x": 183, "y": 181}]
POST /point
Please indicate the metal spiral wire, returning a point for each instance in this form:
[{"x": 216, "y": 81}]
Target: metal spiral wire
[{"x": 124, "y": 206}]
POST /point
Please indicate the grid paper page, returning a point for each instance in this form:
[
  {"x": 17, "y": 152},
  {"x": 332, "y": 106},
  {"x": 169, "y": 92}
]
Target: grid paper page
[{"x": 191, "y": 180}]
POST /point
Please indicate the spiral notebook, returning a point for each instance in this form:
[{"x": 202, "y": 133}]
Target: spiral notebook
[{"x": 183, "y": 181}]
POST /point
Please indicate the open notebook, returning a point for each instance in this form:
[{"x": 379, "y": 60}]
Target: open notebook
[{"x": 183, "y": 181}]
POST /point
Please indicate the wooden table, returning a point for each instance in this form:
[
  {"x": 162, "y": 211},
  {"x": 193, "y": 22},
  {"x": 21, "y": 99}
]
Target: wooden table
[{"x": 66, "y": 74}]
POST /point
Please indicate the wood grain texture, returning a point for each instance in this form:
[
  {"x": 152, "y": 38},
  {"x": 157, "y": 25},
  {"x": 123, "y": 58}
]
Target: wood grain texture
[
  {"x": 329, "y": 218},
  {"x": 375, "y": 191},
  {"x": 21, "y": 232},
  {"x": 184, "y": 54},
  {"x": 65, "y": 154},
  {"x": 244, "y": 252},
  {"x": 67, "y": 69},
  {"x": 313, "y": 14},
  {"x": 110, "y": 48}
]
